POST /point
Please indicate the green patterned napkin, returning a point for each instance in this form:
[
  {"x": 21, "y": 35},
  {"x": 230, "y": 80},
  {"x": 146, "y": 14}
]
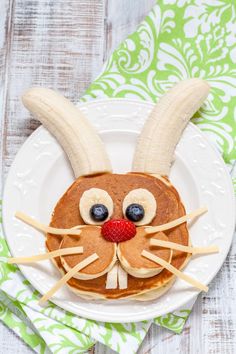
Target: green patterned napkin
[{"x": 177, "y": 40}]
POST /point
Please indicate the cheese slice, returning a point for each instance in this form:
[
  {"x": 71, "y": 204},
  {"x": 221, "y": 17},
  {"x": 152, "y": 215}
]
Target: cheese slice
[
  {"x": 176, "y": 222},
  {"x": 68, "y": 276},
  {"x": 46, "y": 229},
  {"x": 187, "y": 249},
  {"x": 48, "y": 255},
  {"x": 174, "y": 270},
  {"x": 111, "y": 282},
  {"x": 122, "y": 278}
]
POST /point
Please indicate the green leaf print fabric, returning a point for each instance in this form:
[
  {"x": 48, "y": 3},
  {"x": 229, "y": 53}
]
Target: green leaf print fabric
[
  {"x": 177, "y": 40},
  {"x": 13, "y": 315}
]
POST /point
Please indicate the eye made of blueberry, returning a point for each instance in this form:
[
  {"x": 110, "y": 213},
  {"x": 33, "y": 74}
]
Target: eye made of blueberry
[
  {"x": 95, "y": 206},
  {"x": 135, "y": 212},
  {"x": 99, "y": 212},
  {"x": 139, "y": 206}
]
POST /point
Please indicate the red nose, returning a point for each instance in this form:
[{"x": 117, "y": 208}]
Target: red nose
[{"x": 118, "y": 230}]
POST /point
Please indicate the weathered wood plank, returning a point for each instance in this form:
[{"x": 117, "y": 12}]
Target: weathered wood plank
[
  {"x": 5, "y": 30},
  {"x": 121, "y": 19},
  {"x": 57, "y": 44},
  {"x": 62, "y": 44},
  {"x": 9, "y": 341}
]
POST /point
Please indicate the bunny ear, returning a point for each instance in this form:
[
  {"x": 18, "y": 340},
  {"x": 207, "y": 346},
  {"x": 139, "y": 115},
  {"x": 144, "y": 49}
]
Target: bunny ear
[
  {"x": 164, "y": 127},
  {"x": 70, "y": 127}
]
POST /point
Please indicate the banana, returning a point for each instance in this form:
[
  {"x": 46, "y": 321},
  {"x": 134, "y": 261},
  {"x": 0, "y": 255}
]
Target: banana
[
  {"x": 91, "y": 197},
  {"x": 67, "y": 123},
  {"x": 146, "y": 200},
  {"x": 164, "y": 127}
]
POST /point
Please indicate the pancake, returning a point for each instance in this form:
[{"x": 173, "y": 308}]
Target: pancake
[
  {"x": 129, "y": 254},
  {"x": 92, "y": 241},
  {"x": 169, "y": 207}
]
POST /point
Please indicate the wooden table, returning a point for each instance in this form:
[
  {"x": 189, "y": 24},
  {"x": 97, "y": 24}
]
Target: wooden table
[{"x": 63, "y": 44}]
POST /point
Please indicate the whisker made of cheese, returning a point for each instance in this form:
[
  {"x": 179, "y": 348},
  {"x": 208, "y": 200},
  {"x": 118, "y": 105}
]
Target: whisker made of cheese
[
  {"x": 187, "y": 249},
  {"x": 48, "y": 255},
  {"x": 154, "y": 229},
  {"x": 47, "y": 229}
]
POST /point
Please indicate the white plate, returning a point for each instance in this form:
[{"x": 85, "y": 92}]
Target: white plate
[{"x": 41, "y": 173}]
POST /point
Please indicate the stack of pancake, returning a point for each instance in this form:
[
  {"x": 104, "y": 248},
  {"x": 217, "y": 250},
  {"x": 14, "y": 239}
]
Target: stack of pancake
[{"x": 92, "y": 282}]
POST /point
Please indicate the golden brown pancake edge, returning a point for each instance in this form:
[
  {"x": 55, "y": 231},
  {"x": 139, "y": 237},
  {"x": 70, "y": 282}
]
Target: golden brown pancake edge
[{"x": 169, "y": 207}]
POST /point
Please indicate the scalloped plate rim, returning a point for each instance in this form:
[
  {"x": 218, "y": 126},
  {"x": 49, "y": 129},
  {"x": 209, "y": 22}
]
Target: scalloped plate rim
[{"x": 96, "y": 315}]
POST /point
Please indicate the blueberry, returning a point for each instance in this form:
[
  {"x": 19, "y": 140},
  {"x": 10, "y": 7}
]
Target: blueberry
[
  {"x": 98, "y": 212},
  {"x": 134, "y": 212}
]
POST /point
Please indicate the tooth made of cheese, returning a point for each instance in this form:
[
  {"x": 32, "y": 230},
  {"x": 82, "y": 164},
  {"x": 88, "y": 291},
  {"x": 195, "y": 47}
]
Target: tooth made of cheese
[
  {"x": 164, "y": 127},
  {"x": 112, "y": 278},
  {"x": 117, "y": 275},
  {"x": 122, "y": 278},
  {"x": 70, "y": 127}
]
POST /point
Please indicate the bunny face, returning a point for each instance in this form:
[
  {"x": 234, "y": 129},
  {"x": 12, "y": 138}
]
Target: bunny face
[
  {"x": 128, "y": 253},
  {"x": 145, "y": 197}
]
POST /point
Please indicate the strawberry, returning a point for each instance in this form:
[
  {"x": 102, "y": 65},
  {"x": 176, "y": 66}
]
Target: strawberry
[{"x": 118, "y": 230}]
